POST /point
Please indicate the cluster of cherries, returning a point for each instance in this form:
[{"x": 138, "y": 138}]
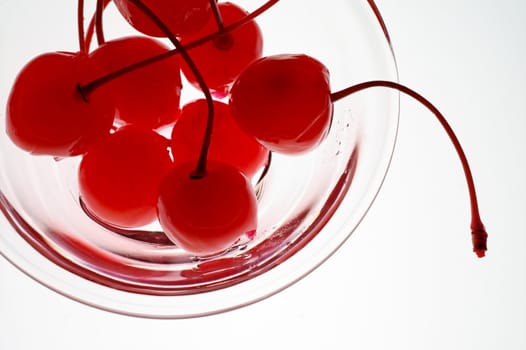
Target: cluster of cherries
[{"x": 108, "y": 106}]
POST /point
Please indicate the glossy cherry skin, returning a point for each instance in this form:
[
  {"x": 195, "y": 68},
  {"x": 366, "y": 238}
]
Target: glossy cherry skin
[
  {"x": 181, "y": 16},
  {"x": 119, "y": 177},
  {"x": 206, "y": 215},
  {"x": 229, "y": 143},
  {"x": 221, "y": 61},
  {"x": 148, "y": 96},
  {"x": 47, "y": 115},
  {"x": 284, "y": 102}
]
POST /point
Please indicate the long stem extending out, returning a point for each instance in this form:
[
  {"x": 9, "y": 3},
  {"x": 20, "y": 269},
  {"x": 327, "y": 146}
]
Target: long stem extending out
[
  {"x": 91, "y": 26},
  {"x": 200, "y": 169},
  {"x": 98, "y": 21},
  {"x": 478, "y": 232},
  {"x": 80, "y": 26},
  {"x": 86, "y": 89}
]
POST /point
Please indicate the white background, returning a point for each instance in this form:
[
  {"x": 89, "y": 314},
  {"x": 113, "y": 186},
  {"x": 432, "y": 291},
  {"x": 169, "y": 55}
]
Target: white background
[{"x": 406, "y": 279}]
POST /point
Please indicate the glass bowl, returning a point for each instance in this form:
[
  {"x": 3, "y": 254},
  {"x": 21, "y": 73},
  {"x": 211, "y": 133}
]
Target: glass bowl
[{"x": 308, "y": 205}]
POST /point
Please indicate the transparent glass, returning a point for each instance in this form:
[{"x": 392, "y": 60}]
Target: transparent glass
[{"x": 308, "y": 205}]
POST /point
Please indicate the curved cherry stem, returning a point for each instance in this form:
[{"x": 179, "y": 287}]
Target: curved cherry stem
[
  {"x": 200, "y": 169},
  {"x": 98, "y": 22},
  {"x": 478, "y": 232},
  {"x": 80, "y": 26},
  {"x": 91, "y": 26},
  {"x": 87, "y": 88}
]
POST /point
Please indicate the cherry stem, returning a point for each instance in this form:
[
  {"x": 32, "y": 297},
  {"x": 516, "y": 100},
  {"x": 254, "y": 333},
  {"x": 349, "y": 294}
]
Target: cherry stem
[
  {"x": 200, "y": 169},
  {"x": 217, "y": 15},
  {"x": 91, "y": 26},
  {"x": 225, "y": 41},
  {"x": 86, "y": 89},
  {"x": 478, "y": 232},
  {"x": 98, "y": 21},
  {"x": 80, "y": 26}
]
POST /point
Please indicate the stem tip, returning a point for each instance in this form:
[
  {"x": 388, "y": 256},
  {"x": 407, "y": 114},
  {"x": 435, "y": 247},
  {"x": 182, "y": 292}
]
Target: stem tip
[{"x": 479, "y": 238}]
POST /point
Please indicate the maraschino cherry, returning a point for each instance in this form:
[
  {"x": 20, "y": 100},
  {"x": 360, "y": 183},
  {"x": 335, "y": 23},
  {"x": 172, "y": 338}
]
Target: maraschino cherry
[
  {"x": 119, "y": 177},
  {"x": 284, "y": 102},
  {"x": 46, "y": 114},
  {"x": 221, "y": 60},
  {"x": 206, "y": 215},
  {"x": 147, "y": 96}
]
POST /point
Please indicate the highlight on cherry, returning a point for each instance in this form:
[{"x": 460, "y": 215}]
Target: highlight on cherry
[{"x": 109, "y": 106}]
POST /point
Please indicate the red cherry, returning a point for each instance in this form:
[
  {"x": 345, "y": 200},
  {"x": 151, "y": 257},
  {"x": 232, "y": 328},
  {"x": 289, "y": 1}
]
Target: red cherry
[
  {"x": 46, "y": 114},
  {"x": 119, "y": 177},
  {"x": 206, "y": 215},
  {"x": 181, "y": 16},
  {"x": 221, "y": 61},
  {"x": 284, "y": 102},
  {"x": 229, "y": 143},
  {"x": 148, "y": 96}
]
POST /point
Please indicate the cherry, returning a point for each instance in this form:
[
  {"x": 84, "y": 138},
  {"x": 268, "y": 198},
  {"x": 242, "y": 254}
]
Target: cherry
[
  {"x": 206, "y": 215},
  {"x": 221, "y": 60},
  {"x": 181, "y": 16},
  {"x": 149, "y": 96},
  {"x": 47, "y": 115},
  {"x": 119, "y": 176},
  {"x": 229, "y": 143},
  {"x": 284, "y": 102}
]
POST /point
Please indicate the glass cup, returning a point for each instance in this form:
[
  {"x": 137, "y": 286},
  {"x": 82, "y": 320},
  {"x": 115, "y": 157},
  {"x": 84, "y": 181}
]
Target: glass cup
[{"x": 308, "y": 205}]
